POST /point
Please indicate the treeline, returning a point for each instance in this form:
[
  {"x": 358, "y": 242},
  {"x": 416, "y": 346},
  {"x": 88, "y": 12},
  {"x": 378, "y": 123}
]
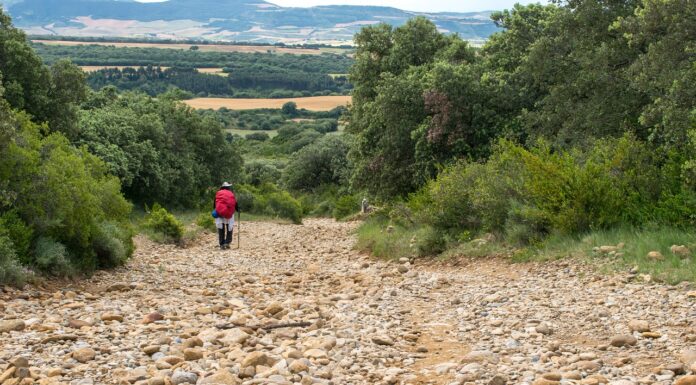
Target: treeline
[
  {"x": 273, "y": 119},
  {"x": 255, "y": 81},
  {"x": 100, "y": 55},
  {"x": 579, "y": 116},
  {"x": 107, "y": 39},
  {"x": 72, "y": 159}
]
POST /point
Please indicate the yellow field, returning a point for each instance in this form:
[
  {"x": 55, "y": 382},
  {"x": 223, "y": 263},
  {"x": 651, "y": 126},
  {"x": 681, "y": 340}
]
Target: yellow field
[
  {"x": 97, "y": 68},
  {"x": 202, "y": 47},
  {"x": 211, "y": 71},
  {"x": 314, "y": 103}
]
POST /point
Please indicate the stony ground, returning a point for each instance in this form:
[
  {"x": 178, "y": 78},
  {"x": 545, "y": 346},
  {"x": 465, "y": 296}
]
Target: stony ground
[{"x": 205, "y": 316}]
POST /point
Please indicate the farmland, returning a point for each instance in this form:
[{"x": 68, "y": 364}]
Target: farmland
[
  {"x": 315, "y": 103},
  {"x": 209, "y": 71},
  {"x": 202, "y": 47}
]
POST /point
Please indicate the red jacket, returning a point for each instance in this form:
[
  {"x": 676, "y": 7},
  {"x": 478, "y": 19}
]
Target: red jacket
[{"x": 225, "y": 203}]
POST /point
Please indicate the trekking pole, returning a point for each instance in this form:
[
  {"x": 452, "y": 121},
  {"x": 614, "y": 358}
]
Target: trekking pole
[{"x": 239, "y": 228}]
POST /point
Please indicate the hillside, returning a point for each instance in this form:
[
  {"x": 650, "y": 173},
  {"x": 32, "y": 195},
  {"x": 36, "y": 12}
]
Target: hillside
[{"x": 231, "y": 20}]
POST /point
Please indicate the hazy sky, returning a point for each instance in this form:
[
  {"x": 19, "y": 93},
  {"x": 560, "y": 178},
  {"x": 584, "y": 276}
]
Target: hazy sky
[{"x": 411, "y": 5}]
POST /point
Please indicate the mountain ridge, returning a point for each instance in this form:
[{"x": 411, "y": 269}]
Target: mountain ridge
[{"x": 228, "y": 20}]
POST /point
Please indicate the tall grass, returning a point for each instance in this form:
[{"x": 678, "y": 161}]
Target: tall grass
[
  {"x": 638, "y": 243},
  {"x": 378, "y": 238}
]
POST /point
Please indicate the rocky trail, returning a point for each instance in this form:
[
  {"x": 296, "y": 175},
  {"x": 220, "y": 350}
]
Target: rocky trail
[{"x": 205, "y": 316}]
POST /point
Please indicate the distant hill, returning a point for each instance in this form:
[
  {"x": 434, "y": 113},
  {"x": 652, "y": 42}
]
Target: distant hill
[{"x": 231, "y": 20}]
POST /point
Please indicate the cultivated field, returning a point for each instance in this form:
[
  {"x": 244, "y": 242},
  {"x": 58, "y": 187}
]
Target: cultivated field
[
  {"x": 203, "y": 47},
  {"x": 211, "y": 71},
  {"x": 314, "y": 103}
]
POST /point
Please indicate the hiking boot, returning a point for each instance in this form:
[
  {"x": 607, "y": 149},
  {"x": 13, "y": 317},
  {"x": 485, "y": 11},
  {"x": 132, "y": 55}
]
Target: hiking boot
[{"x": 222, "y": 247}]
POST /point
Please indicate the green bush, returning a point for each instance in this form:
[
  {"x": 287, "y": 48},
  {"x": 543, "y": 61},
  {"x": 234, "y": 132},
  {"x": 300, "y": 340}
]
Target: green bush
[
  {"x": 113, "y": 244},
  {"x": 281, "y": 204},
  {"x": 206, "y": 221},
  {"x": 321, "y": 163},
  {"x": 10, "y": 269},
  {"x": 269, "y": 200},
  {"x": 429, "y": 241},
  {"x": 345, "y": 206},
  {"x": 162, "y": 222},
  {"x": 257, "y": 136},
  {"x": 60, "y": 197},
  {"x": 259, "y": 172},
  {"x": 52, "y": 257},
  {"x": 19, "y": 233},
  {"x": 528, "y": 194}
]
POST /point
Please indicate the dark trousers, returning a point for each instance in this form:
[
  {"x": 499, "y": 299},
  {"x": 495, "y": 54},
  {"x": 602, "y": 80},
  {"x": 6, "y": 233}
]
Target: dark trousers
[{"x": 225, "y": 234}]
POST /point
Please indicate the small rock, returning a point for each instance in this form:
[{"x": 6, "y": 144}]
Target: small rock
[
  {"x": 274, "y": 308},
  {"x": 498, "y": 379},
  {"x": 688, "y": 357},
  {"x": 315, "y": 354},
  {"x": 11, "y": 325},
  {"x": 553, "y": 376},
  {"x": 221, "y": 377},
  {"x": 77, "y": 324},
  {"x": 111, "y": 317},
  {"x": 382, "y": 340},
  {"x": 20, "y": 362},
  {"x": 181, "y": 377},
  {"x": 638, "y": 326},
  {"x": 193, "y": 354},
  {"x": 677, "y": 368},
  {"x": 656, "y": 256},
  {"x": 298, "y": 366},
  {"x": 621, "y": 341},
  {"x": 686, "y": 380},
  {"x": 543, "y": 329},
  {"x": 83, "y": 355},
  {"x": 118, "y": 287},
  {"x": 254, "y": 359},
  {"x": 680, "y": 251},
  {"x": 152, "y": 317}
]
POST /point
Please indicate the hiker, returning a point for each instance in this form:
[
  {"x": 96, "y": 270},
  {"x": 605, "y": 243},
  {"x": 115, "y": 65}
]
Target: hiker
[{"x": 224, "y": 207}]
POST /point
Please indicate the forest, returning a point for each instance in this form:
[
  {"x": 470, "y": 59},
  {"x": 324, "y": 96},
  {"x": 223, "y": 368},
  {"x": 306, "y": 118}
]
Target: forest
[
  {"x": 248, "y": 74},
  {"x": 255, "y": 81},
  {"x": 574, "y": 127}
]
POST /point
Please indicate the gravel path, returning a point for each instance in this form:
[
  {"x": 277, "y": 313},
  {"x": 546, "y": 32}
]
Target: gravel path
[{"x": 204, "y": 316}]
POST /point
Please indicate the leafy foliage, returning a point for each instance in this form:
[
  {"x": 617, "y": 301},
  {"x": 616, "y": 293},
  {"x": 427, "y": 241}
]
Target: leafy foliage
[
  {"x": 320, "y": 163},
  {"x": 162, "y": 222},
  {"x": 269, "y": 200},
  {"x": 161, "y": 150}
]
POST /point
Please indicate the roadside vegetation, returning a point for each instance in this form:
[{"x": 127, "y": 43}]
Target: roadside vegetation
[{"x": 571, "y": 131}]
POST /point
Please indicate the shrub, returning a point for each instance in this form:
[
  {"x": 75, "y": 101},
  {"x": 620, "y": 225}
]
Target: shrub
[
  {"x": 528, "y": 194},
  {"x": 10, "y": 271},
  {"x": 113, "y": 244},
  {"x": 206, "y": 221},
  {"x": 258, "y": 173},
  {"x": 269, "y": 199},
  {"x": 345, "y": 206},
  {"x": 162, "y": 222},
  {"x": 282, "y": 204},
  {"x": 258, "y": 136},
  {"x": 61, "y": 197},
  {"x": 321, "y": 163},
  {"x": 52, "y": 257},
  {"x": 429, "y": 242},
  {"x": 19, "y": 233}
]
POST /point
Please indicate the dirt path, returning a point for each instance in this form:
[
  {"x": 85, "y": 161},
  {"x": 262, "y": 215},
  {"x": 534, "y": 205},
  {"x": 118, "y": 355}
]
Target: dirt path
[{"x": 371, "y": 322}]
